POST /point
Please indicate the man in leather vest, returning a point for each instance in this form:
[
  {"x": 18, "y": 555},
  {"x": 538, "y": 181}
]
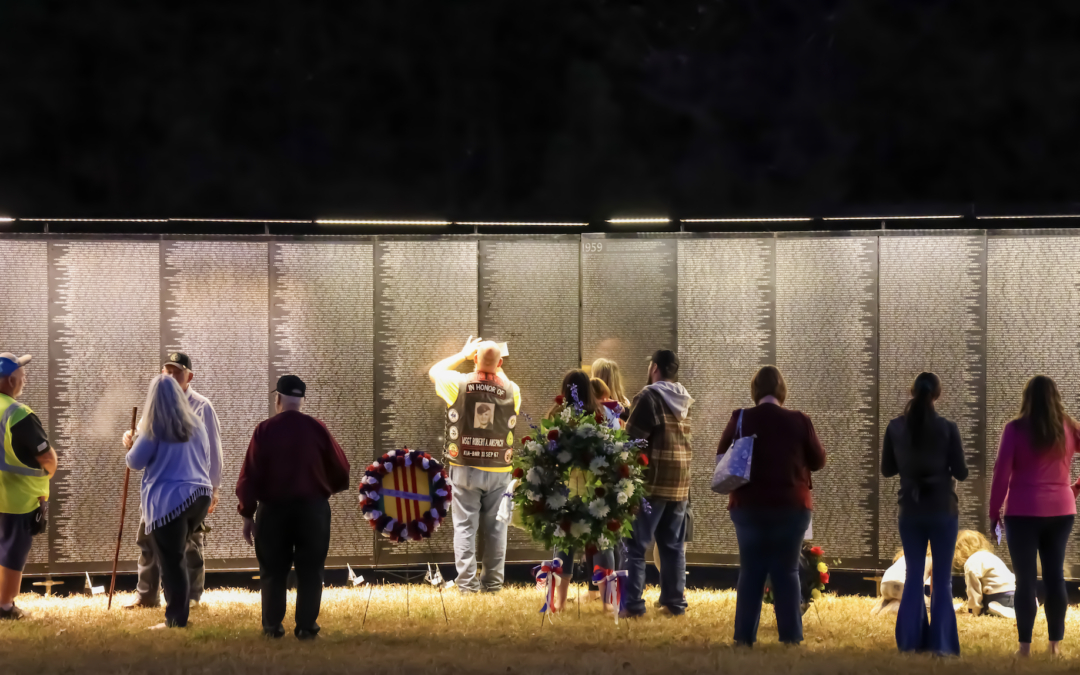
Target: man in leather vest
[
  {"x": 28, "y": 465},
  {"x": 481, "y": 420}
]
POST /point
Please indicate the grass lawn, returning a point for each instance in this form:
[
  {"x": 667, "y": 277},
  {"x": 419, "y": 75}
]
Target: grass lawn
[{"x": 488, "y": 634}]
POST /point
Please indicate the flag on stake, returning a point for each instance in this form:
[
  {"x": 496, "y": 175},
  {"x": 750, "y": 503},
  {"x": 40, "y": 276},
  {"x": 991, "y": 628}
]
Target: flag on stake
[{"x": 434, "y": 576}]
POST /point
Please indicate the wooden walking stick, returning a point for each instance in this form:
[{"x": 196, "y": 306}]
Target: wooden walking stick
[{"x": 123, "y": 510}]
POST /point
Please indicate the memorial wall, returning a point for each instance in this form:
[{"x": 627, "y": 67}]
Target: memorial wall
[{"x": 850, "y": 318}]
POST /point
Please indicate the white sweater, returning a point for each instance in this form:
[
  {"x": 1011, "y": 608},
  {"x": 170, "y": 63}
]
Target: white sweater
[
  {"x": 892, "y": 582},
  {"x": 986, "y": 574}
]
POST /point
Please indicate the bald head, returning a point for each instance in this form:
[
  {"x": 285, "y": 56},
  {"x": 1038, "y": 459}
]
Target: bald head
[{"x": 488, "y": 357}]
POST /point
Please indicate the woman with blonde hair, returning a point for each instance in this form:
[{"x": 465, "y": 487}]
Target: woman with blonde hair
[
  {"x": 990, "y": 584},
  {"x": 1031, "y": 481},
  {"x": 607, "y": 371},
  {"x": 173, "y": 453}
]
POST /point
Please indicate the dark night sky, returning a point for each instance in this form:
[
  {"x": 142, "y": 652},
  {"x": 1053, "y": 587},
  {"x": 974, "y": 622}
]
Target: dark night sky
[{"x": 502, "y": 109}]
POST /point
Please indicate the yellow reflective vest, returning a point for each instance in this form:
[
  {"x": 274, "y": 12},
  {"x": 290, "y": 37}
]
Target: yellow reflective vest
[{"x": 20, "y": 485}]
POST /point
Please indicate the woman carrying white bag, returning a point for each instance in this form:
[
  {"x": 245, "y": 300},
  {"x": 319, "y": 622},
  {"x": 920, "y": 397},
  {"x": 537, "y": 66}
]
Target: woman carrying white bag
[{"x": 771, "y": 511}]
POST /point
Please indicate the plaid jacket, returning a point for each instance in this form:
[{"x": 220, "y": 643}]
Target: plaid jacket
[{"x": 668, "y": 475}]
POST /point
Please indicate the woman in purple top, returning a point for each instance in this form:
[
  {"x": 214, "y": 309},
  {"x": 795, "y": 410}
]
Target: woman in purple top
[{"x": 1031, "y": 480}]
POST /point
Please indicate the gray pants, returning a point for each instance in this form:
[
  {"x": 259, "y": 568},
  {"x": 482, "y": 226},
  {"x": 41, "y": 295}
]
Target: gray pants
[
  {"x": 477, "y": 495},
  {"x": 150, "y": 573}
]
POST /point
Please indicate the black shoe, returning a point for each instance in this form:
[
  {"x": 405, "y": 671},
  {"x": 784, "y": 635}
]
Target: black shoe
[
  {"x": 275, "y": 632},
  {"x": 307, "y": 634},
  {"x": 13, "y": 614}
]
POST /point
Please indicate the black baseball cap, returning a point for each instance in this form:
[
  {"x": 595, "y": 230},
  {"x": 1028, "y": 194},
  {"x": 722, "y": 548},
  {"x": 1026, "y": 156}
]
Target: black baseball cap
[
  {"x": 666, "y": 360},
  {"x": 291, "y": 385},
  {"x": 179, "y": 359}
]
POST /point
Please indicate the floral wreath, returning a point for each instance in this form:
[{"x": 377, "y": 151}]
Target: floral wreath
[
  {"x": 580, "y": 481},
  {"x": 404, "y": 495},
  {"x": 813, "y": 576}
]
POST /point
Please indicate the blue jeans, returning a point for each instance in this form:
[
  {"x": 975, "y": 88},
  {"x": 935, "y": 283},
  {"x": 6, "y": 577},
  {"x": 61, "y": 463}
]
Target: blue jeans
[
  {"x": 770, "y": 542},
  {"x": 664, "y": 521},
  {"x": 475, "y": 507},
  {"x": 913, "y": 632}
]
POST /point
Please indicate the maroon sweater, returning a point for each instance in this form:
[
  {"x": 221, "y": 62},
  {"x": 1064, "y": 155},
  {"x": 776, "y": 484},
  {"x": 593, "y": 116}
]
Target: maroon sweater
[
  {"x": 291, "y": 456},
  {"x": 786, "y": 450}
]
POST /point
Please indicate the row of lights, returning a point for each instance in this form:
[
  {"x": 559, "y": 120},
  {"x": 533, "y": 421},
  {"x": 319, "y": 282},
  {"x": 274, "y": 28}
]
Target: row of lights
[{"x": 613, "y": 221}]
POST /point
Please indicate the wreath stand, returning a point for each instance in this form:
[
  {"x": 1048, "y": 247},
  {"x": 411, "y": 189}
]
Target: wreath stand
[{"x": 395, "y": 496}]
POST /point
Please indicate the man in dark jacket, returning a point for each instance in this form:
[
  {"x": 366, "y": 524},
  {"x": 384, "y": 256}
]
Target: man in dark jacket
[{"x": 292, "y": 467}]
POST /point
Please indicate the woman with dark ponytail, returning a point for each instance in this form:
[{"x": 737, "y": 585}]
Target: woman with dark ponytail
[
  {"x": 925, "y": 450},
  {"x": 1031, "y": 480}
]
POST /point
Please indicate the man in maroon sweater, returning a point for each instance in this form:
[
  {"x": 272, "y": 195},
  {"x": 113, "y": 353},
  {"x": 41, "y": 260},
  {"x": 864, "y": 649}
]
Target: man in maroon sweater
[{"x": 292, "y": 467}]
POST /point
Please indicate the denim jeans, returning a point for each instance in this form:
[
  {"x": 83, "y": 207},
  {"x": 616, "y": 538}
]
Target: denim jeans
[
  {"x": 477, "y": 495},
  {"x": 913, "y": 631},
  {"x": 769, "y": 545},
  {"x": 1047, "y": 537},
  {"x": 664, "y": 521}
]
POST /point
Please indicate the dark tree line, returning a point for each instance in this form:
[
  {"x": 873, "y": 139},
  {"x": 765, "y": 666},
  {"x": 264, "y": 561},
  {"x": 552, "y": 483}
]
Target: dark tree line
[{"x": 534, "y": 110}]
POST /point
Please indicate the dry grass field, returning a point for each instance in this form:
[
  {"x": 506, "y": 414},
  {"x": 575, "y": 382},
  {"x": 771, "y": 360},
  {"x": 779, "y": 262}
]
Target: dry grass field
[{"x": 488, "y": 634}]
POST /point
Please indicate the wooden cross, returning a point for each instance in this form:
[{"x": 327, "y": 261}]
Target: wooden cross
[{"x": 48, "y": 584}]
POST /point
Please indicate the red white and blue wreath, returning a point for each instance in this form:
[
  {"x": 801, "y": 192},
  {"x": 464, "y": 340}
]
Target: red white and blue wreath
[{"x": 405, "y": 494}]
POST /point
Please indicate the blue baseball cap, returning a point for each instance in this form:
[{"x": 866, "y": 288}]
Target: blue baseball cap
[{"x": 9, "y": 363}]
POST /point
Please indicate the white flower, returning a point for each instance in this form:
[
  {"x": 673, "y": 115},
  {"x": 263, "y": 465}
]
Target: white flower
[
  {"x": 619, "y": 446},
  {"x": 535, "y": 475},
  {"x": 535, "y": 447},
  {"x": 587, "y": 431},
  {"x": 603, "y": 543},
  {"x": 559, "y": 531},
  {"x": 564, "y": 457},
  {"x": 622, "y": 498},
  {"x": 579, "y": 528},
  {"x": 567, "y": 414},
  {"x": 598, "y": 508},
  {"x": 624, "y": 456},
  {"x": 597, "y": 464},
  {"x": 556, "y": 501},
  {"x": 625, "y": 486},
  {"x": 534, "y": 496}
]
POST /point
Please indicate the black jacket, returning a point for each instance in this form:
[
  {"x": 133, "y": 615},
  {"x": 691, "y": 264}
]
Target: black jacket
[{"x": 926, "y": 469}]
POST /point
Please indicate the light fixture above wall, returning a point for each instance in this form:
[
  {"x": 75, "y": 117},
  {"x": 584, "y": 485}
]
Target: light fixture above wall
[
  {"x": 631, "y": 221},
  {"x": 746, "y": 220},
  {"x": 380, "y": 222}
]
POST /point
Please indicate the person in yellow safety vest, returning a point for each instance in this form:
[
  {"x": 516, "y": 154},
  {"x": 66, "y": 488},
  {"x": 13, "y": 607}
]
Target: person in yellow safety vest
[{"x": 28, "y": 465}]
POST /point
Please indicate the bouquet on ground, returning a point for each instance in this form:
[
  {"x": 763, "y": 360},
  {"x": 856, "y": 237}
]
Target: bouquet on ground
[
  {"x": 579, "y": 481},
  {"x": 813, "y": 576}
]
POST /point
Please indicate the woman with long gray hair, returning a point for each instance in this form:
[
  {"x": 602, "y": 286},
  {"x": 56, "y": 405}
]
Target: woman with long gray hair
[{"x": 173, "y": 453}]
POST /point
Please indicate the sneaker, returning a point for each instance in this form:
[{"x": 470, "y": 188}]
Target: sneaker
[
  {"x": 275, "y": 632},
  {"x": 13, "y": 614},
  {"x": 997, "y": 609},
  {"x": 140, "y": 603}
]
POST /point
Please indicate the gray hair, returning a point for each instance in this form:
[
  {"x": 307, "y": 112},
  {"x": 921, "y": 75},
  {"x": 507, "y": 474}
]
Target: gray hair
[{"x": 167, "y": 416}]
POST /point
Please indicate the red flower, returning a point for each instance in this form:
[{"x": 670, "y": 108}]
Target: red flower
[
  {"x": 816, "y": 551},
  {"x": 553, "y": 435},
  {"x": 824, "y": 577},
  {"x": 600, "y": 492},
  {"x": 643, "y": 459},
  {"x": 519, "y": 472},
  {"x": 559, "y": 399},
  {"x": 526, "y": 440},
  {"x": 614, "y": 525},
  {"x": 624, "y": 470},
  {"x": 599, "y": 418}
]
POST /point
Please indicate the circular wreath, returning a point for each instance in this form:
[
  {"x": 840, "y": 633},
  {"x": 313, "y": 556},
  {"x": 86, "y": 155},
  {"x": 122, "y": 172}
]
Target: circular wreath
[
  {"x": 404, "y": 495},
  {"x": 580, "y": 481},
  {"x": 813, "y": 576}
]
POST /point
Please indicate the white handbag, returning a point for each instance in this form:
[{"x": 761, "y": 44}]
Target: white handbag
[{"x": 733, "y": 469}]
